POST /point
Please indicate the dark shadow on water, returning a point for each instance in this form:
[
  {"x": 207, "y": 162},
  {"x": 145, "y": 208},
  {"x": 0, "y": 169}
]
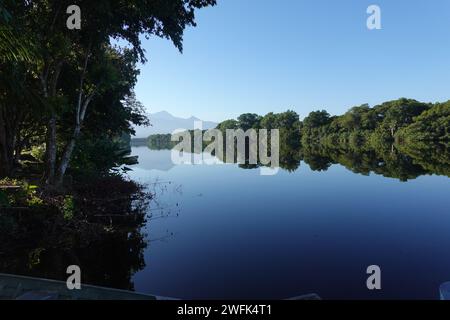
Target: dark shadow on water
[{"x": 104, "y": 238}]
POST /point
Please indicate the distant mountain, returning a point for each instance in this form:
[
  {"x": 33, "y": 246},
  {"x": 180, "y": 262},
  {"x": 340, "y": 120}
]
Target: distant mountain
[{"x": 164, "y": 122}]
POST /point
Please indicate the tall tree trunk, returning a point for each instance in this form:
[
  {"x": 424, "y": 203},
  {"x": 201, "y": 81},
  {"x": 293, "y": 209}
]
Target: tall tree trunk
[
  {"x": 8, "y": 139},
  {"x": 68, "y": 151},
  {"x": 50, "y": 143},
  {"x": 50, "y": 162},
  {"x": 67, "y": 155},
  {"x": 80, "y": 112},
  {"x": 5, "y": 164}
]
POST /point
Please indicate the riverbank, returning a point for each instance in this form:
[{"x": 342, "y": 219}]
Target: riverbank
[{"x": 94, "y": 224}]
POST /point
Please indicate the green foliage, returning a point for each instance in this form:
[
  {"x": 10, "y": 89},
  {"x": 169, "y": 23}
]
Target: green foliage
[
  {"x": 400, "y": 113},
  {"x": 228, "y": 124},
  {"x": 314, "y": 126},
  {"x": 38, "y": 152},
  {"x": 19, "y": 193},
  {"x": 15, "y": 45},
  {"x": 99, "y": 156},
  {"x": 160, "y": 142},
  {"x": 316, "y": 119},
  {"x": 248, "y": 121},
  {"x": 33, "y": 200},
  {"x": 431, "y": 125},
  {"x": 288, "y": 120},
  {"x": 68, "y": 207},
  {"x": 287, "y": 123},
  {"x": 401, "y": 139},
  {"x": 83, "y": 83},
  {"x": 362, "y": 126}
]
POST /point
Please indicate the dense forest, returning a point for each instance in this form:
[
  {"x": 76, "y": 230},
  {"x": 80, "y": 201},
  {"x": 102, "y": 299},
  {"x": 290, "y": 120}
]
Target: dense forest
[
  {"x": 402, "y": 121},
  {"x": 67, "y": 112},
  {"x": 403, "y": 138},
  {"x": 67, "y": 102}
]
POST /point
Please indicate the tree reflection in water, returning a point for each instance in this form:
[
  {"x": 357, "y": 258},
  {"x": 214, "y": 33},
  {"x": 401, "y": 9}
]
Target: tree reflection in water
[
  {"x": 400, "y": 161},
  {"x": 105, "y": 238}
]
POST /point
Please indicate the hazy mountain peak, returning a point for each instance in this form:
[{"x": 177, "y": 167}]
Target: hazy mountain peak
[
  {"x": 162, "y": 114},
  {"x": 164, "y": 122}
]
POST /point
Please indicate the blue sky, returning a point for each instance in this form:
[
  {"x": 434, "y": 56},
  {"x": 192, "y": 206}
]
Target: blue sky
[{"x": 273, "y": 55}]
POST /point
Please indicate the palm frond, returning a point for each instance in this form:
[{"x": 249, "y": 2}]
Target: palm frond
[{"x": 13, "y": 47}]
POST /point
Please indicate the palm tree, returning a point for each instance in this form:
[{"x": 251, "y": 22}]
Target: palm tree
[{"x": 12, "y": 46}]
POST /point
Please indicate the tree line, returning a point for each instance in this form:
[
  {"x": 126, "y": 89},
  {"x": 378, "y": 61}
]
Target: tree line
[
  {"x": 402, "y": 138},
  {"x": 403, "y": 121}
]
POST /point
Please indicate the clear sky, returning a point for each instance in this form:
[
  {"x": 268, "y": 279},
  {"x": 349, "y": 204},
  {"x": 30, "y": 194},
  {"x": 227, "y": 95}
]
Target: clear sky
[{"x": 273, "y": 55}]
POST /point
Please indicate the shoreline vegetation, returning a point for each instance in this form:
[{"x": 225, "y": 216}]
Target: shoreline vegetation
[
  {"x": 401, "y": 139},
  {"x": 67, "y": 101},
  {"x": 67, "y": 112},
  {"x": 97, "y": 226}
]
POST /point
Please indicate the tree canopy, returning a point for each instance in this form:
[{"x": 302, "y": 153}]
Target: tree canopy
[{"x": 80, "y": 82}]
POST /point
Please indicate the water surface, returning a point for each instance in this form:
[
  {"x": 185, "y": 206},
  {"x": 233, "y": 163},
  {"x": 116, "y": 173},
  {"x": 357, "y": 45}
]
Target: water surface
[{"x": 227, "y": 232}]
